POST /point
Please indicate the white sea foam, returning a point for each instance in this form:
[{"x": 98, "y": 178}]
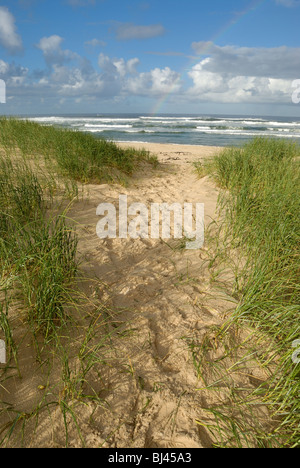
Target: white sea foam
[
  {"x": 174, "y": 129},
  {"x": 106, "y": 126}
]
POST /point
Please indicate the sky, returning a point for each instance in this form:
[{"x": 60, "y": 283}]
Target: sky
[{"x": 150, "y": 56}]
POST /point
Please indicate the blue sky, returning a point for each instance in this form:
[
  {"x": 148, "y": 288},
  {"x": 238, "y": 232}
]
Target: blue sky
[{"x": 150, "y": 56}]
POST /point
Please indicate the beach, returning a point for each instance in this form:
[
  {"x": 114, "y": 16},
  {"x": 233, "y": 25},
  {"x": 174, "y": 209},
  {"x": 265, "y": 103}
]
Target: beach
[
  {"x": 160, "y": 299},
  {"x": 149, "y": 227},
  {"x": 166, "y": 299},
  {"x": 179, "y": 154},
  {"x": 144, "y": 358},
  {"x": 198, "y": 130}
]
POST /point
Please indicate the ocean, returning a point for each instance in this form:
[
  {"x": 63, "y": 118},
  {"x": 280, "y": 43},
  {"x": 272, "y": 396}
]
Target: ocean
[{"x": 208, "y": 130}]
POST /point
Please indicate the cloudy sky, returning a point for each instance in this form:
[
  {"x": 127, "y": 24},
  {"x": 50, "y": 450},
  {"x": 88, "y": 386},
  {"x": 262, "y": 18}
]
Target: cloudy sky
[{"x": 150, "y": 56}]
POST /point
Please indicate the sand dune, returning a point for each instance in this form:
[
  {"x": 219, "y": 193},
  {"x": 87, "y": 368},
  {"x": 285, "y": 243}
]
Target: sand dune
[
  {"x": 163, "y": 301},
  {"x": 167, "y": 297}
]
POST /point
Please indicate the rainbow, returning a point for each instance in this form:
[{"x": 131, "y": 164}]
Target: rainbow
[{"x": 253, "y": 6}]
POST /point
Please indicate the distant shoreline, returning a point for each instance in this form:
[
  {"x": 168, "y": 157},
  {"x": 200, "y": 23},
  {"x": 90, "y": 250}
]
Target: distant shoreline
[
  {"x": 192, "y": 130},
  {"x": 167, "y": 152},
  {"x": 143, "y": 143}
]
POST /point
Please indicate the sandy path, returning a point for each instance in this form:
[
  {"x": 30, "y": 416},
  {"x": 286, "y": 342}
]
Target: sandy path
[
  {"x": 167, "y": 304},
  {"x": 159, "y": 291}
]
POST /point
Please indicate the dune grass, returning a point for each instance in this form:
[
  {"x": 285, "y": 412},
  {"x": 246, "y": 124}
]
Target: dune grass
[
  {"x": 78, "y": 155},
  {"x": 260, "y": 206},
  {"x": 39, "y": 266},
  {"x": 38, "y": 249},
  {"x": 42, "y": 307}
]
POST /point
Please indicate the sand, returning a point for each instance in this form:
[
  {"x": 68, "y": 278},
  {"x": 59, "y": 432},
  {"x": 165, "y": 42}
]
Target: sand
[{"x": 152, "y": 385}]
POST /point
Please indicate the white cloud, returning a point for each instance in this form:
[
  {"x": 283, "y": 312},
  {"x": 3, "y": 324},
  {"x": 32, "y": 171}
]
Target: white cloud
[
  {"x": 126, "y": 68},
  {"x": 116, "y": 78},
  {"x": 117, "y": 66},
  {"x": 230, "y": 75},
  {"x": 277, "y": 62},
  {"x": 288, "y": 3},
  {"x": 9, "y": 39},
  {"x": 127, "y": 31},
  {"x": 95, "y": 43},
  {"x": 51, "y": 44},
  {"x": 156, "y": 83},
  {"x": 52, "y": 51},
  {"x": 11, "y": 73},
  {"x": 224, "y": 86},
  {"x": 243, "y": 75}
]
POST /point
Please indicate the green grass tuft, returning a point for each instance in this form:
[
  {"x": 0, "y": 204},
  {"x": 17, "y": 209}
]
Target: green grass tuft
[
  {"x": 261, "y": 204},
  {"x": 78, "y": 155}
]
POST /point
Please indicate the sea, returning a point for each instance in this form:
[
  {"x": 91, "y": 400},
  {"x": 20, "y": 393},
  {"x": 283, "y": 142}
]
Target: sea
[{"x": 207, "y": 130}]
